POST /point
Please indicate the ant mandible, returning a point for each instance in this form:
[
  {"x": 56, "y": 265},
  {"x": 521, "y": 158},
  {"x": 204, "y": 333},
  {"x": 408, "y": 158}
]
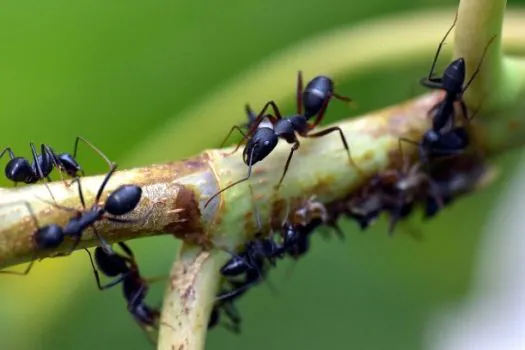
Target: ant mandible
[
  {"x": 124, "y": 269},
  {"x": 19, "y": 169},
  {"x": 262, "y": 140}
]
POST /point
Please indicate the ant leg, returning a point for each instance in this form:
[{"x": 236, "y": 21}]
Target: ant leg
[
  {"x": 103, "y": 243},
  {"x": 292, "y": 150},
  {"x": 429, "y": 78},
  {"x": 21, "y": 273},
  {"x": 58, "y": 206},
  {"x": 81, "y": 194},
  {"x": 343, "y": 139},
  {"x": 126, "y": 249},
  {"x": 97, "y": 276},
  {"x": 233, "y": 314},
  {"x": 251, "y": 115},
  {"x": 234, "y": 183},
  {"x": 479, "y": 65},
  {"x": 9, "y": 151},
  {"x": 238, "y": 128},
  {"x": 235, "y": 293},
  {"x": 112, "y": 169},
  {"x": 299, "y": 93},
  {"x": 38, "y": 167},
  {"x": 93, "y": 147},
  {"x": 76, "y": 241},
  {"x": 45, "y": 149},
  {"x": 320, "y": 115},
  {"x": 341, "y": 97},
  {"x": 276, "y": 111},
  {"x": 130, "y": 221}
]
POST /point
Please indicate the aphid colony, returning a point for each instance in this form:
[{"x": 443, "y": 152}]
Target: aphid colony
[{"x": 443, "y": 171}]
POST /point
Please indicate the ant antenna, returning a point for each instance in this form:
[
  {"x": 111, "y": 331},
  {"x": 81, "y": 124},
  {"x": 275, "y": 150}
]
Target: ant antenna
[
  {"x": 100, "y": 153},
  {"x": 38, "y": 168},
  {"x": 479, "y": 63},
  {"x": 234, "y": 183},
  {"x": 440, "y": 46}
]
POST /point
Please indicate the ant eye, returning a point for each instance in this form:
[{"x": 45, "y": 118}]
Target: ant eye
[{"x": 266, "y": 143}]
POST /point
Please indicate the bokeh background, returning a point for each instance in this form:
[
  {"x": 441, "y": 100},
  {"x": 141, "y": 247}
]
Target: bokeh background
[{"x": 120, "y": 72}]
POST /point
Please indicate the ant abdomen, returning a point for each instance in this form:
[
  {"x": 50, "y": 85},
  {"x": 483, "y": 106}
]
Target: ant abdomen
[
  {"x": 315, "y": 94},
  {"x": 111, "y": 265},
  {"x": 19, "y": 169},
  {"x": 123, "y": 200}
]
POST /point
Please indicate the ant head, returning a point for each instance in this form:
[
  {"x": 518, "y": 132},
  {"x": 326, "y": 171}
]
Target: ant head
[
  {"x": 111, "y": 265},
  {"x": 19, "y": 169},
  {"x": 69, "y": 164},
  {"x": 50, "y": 236},
  {"x": 123, "y": 200},
  {"x": 454, "y": 77},
  {"x": 259, "y": 146}
]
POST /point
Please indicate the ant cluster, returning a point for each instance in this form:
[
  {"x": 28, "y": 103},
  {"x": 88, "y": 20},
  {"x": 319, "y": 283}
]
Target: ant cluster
[
  {"x": 123, "y": 200},
  {"x": 443, "y": 171}
]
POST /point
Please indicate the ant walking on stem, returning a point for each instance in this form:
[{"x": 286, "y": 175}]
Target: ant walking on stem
[
  {"x": 262, "y": 139},
  {"x": 19, "y": 169},
  {"x": 121, "y": 201},
  {"x": 444, "y": 138}
]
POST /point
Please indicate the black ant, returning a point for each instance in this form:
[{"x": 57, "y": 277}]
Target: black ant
[
  {"x": 262, "y": 140},
  {"x": 121, "y": 201},
  {"x": 125, "y": 270},
  {"x": 444, "y": 139},
  {"x": 250, "y": 263},
  {"x": 19, "y": 169}
]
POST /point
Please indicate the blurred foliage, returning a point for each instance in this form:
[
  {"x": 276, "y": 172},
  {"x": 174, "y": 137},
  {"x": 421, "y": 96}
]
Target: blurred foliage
[{"x": 115, "y": 72}]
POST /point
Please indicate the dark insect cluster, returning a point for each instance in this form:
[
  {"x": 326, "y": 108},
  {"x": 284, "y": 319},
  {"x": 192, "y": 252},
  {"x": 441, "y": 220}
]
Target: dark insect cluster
[
  {"x": 121, "y": 201},
  {"x": 444, "y": 170}
]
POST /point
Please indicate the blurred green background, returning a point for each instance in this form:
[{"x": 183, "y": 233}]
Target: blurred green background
[{"x": 115, "y": 72}]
